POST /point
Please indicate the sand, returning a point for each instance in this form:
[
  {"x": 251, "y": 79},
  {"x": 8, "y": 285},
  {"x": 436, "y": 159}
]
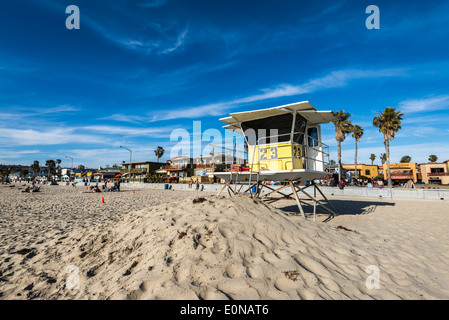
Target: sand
[{"x": 160, "y": 244}]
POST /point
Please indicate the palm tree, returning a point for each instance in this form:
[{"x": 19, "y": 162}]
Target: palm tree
[
  {"x": 5, "y": 172},
  {"x": 372, "y": 158},
  {"x": 342, "y": 127},
  {"x": 51, "y": 164},
  {"x": 58, "y": 162},
  {"x": 357, "y": 133},
  {"x": 388, "y": 122},
  {"x": 406, "y": 159},
  {"x": 433, "y": 158},
  {"x": 383, "y": 158},
  {"x": 35, "y": 167},
  {"x": 159, "y": 152}
]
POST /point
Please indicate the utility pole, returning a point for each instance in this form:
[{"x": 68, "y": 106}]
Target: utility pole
[{"x": 130, "y": 157}]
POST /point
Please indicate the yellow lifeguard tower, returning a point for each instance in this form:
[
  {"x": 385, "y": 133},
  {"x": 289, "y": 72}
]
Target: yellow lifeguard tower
[{"x": 284, "y": 145}]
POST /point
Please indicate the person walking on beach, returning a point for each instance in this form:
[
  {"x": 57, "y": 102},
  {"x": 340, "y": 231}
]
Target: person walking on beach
[{"x": 197, "y": 185}]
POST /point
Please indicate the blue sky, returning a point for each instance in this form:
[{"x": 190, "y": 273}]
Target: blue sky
[{"x": 137, "y": 70}]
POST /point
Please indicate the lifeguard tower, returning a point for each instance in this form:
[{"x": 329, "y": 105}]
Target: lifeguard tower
[{"x": 284, "y": 146}]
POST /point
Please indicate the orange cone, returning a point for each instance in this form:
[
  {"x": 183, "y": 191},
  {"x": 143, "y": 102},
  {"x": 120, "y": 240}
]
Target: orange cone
[{"x": 102, "y": 200}]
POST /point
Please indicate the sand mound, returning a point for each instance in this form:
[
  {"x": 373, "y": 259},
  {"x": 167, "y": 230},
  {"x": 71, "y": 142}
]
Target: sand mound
[{"x": 202, "y": 248}]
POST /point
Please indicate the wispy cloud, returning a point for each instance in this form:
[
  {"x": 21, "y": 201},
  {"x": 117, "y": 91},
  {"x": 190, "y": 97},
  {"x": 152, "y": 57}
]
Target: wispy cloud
[
  {"x": 153, "y": 4},
  {"x": 178, "y": 43},
  {"x": 127, "y": 118},
  {"x": 425, "y": 104},
  {"x": 34, "y": 117},
  {"x": 160, "y": 46},
  {"x": 16, "y": 154},
  {"x": 130, "y": 131},
  {"x": 54, "y": 136},
  {"x": 333, "y": 80},
  {"x": 34, "y": 111}
]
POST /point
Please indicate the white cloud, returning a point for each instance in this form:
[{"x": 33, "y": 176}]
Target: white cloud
[
  {"x": 29, "y": 137},
  {"x": 424, "y": 104},
  {"x": 16, "y": 154},
  {"x": 104, "y": 129},
  {"x": 334, "y": 79},
  {"x": 153, "y": 4},
  {"x": 126, "y": 118},
  {"x": 163, "y": 45},
  {"x": 178, "y": 43}
]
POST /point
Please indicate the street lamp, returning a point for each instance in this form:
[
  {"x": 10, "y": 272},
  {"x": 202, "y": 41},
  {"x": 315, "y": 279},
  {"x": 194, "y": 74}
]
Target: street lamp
[
  {"x": 71, "y": 169},
  {"x": 130, "y": 157}
]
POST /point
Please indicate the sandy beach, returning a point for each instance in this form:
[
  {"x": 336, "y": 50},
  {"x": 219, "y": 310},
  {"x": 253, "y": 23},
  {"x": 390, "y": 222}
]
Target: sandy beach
[{"x": 161, "y": 244}]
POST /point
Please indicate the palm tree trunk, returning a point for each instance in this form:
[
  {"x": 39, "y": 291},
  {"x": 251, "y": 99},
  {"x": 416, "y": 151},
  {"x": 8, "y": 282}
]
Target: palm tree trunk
[
  {"x": 355, "y": 162},
  {"x": 339, "y": 160},
  {"x": 387, "y": 151}
]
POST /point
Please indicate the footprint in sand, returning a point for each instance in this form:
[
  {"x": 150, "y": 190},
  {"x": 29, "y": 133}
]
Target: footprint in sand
[
  {"x": 234, "y": 270},
  {"x": 225, "y": 232},
  {"x": 255, "y": 272}
]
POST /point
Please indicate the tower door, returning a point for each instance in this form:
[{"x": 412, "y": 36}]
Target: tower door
[{"x": 314, "y": 149}]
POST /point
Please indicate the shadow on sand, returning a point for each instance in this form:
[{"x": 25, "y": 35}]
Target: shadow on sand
[{"x": 343, "y": 207}]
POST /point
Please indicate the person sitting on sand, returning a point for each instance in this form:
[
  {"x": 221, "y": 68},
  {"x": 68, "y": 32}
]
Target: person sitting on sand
[
  {"x": 31, "y": 189},
  {"x": 111, "y": 189}
]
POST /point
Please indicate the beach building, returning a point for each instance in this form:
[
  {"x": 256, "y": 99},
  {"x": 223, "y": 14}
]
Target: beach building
[
  {"x": 364, "y": 170},
  {"x": 42, "y": 176},
  {"x": 67, "y": 172},
  {"x": 331, "y": 167},
  {"x": 16, "y": 176},
  {"x": 205, "y": 167},
  {"x": 178, "y": 169},
  {"x": 401, "y": 172},
  {"x": 140, "y": 170},
  {"x": 435, "y": 172}
]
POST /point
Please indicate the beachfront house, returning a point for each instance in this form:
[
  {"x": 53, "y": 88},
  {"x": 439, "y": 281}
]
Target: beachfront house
[
  {"x": 178, "y": 169},
  {"x": 140, "y": 170},
  {"x": 16, "y": 176},
  {"x": 206, "y": 166},
  {"x": 435, "y": 173}
]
